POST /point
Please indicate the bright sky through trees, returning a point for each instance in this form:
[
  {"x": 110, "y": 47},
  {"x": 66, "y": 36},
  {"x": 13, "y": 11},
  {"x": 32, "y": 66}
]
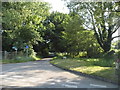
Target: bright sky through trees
[{"x": 58, "y": 5}]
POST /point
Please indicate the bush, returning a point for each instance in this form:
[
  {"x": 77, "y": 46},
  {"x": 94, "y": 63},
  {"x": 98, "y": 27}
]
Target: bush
[
  {"x": 109, "y": 55},
  {"x": 101, "y": 62},
  {"x": 24, "y": 58},
  {"x": 31, "y": 52},
  {"x": 82, "y": 54},
  {"x": 61, "y": 55},
  {"x": 94, "y": 52},
  {"x": 118, "y": 54},
  {"x": 19, "y": 60},
  {"x": 104, "y": 63}
]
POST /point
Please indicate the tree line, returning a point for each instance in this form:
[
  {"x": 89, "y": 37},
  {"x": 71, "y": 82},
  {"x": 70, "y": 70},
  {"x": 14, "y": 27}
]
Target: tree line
[{"x": 89, "y": 27}]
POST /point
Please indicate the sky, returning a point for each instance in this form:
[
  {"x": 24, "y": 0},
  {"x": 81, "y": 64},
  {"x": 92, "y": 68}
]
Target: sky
[{"x": 58, "y": 5}]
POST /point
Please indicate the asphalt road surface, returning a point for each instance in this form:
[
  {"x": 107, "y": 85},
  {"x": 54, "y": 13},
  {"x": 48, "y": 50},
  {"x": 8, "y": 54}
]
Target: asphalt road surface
[{"x": 41, "y": 74}]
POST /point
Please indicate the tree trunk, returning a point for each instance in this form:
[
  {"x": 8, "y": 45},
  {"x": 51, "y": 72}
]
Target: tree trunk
[{"x": 107, "y": 46}]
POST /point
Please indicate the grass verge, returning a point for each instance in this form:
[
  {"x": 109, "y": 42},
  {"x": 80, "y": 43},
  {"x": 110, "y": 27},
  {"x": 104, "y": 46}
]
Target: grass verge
[
  {"x": 88, "y": 66},
  {"x": 20, "y": 60}
]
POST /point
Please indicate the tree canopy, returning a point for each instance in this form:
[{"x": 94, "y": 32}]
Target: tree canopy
[
  {"x": 101, "y": 17},
  {"x": 89, "y": 27},
  {"x": 77, "y": 38},
  {"x": 21, "y": 22}
]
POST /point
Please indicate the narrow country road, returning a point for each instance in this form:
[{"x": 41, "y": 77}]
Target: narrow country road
[{"x": 41, "y": 74}]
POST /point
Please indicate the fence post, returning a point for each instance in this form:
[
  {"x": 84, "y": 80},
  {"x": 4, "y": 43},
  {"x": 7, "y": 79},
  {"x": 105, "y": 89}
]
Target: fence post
[
  {"x": 118, "y": 70},
  {"x": 16, "y": 53},
  {"x": 1, "y": 55},
  {"x": 5, "y": 54}
]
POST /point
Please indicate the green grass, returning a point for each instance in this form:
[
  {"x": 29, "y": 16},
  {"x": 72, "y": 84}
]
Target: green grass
[
  {"x": 89, "y": 66},
  {"x": 20, "y": 60}
]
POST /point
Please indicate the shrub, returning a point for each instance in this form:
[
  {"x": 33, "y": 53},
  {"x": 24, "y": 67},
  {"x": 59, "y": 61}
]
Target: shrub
[
  {"x": 109, "y": 55},
  {"x": 19, "y": 60},
  {"x": 118, "y": 54},
  {"x": 101, "y": 62},
  {"x": 94, "y": 52},
  {"x": 82, "y": 54},
  {"x": 104, "y": 63},
  {"x": 24, "y": 58},
  {"x": 31, "y": 52}
]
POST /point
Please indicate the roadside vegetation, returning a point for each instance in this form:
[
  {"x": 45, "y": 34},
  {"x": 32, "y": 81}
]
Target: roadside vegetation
[
  {"x": 20, "y": 59},
  {"x": 97, "y": 67},
  {"x": 104, "y": 66}
]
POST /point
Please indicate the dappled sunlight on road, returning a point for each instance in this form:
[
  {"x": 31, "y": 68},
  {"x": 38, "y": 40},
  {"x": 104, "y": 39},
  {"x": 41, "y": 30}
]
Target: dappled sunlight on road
[
  {"x": 30, "y": 74},
  {"x": 41, "y": 74}
]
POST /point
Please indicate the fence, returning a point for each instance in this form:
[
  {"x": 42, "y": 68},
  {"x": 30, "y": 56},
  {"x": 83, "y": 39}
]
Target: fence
[
  {"x": 11, "y": 55},
  {"x": 0, "y": 55}
]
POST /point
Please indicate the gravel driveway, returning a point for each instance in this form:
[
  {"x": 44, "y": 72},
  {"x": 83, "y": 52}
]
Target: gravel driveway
[{"x": 41, "y": 74}]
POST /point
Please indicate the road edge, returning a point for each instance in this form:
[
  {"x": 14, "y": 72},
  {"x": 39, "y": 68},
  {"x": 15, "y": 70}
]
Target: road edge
[{"x": 86, "y": 75}]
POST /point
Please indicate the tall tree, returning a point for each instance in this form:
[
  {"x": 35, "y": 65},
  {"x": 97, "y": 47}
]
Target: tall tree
[
  {"x": 77, "y": 38},
  {"x": 22, "y": 23},
  {"x": 53, "y": 33},
  {"x": 102, "y": 17}
]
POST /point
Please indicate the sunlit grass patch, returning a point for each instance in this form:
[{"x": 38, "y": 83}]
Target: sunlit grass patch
[
  {"x": 36, "y": 57},
  {"x": 92, "y": 59},
  {"x": 95, "y": 67},
  {"x": 90, "y": 69}
]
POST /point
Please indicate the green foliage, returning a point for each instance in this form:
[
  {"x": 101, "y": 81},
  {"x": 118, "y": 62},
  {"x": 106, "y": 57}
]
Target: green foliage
[
  {"x": 31, "y": 24},
  {"x": 104, "y": 62},
  {"x": 61, "y": 55},
  {"x": 82, "y": 54},
  {"x": 53, "y": 33},
  {"x": 27, "y": 35},
  {"x": 118, "y": 54},
  {"x": 88, "y": 66},
  {"x": 22, "y": 24},
  {"x": 8, "y": 40},
  {"x": 117, "y": 44},
  {"x": 109, "y": 55},
  {"x": 18, "y": 60},
  {"x": 102, "y": 17},
  {"x": 88, "y": 62},
  {"x": 42, "y": 49},
  {"x": 79, "y": 39},
  {"x": 31, "y": 52}
]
